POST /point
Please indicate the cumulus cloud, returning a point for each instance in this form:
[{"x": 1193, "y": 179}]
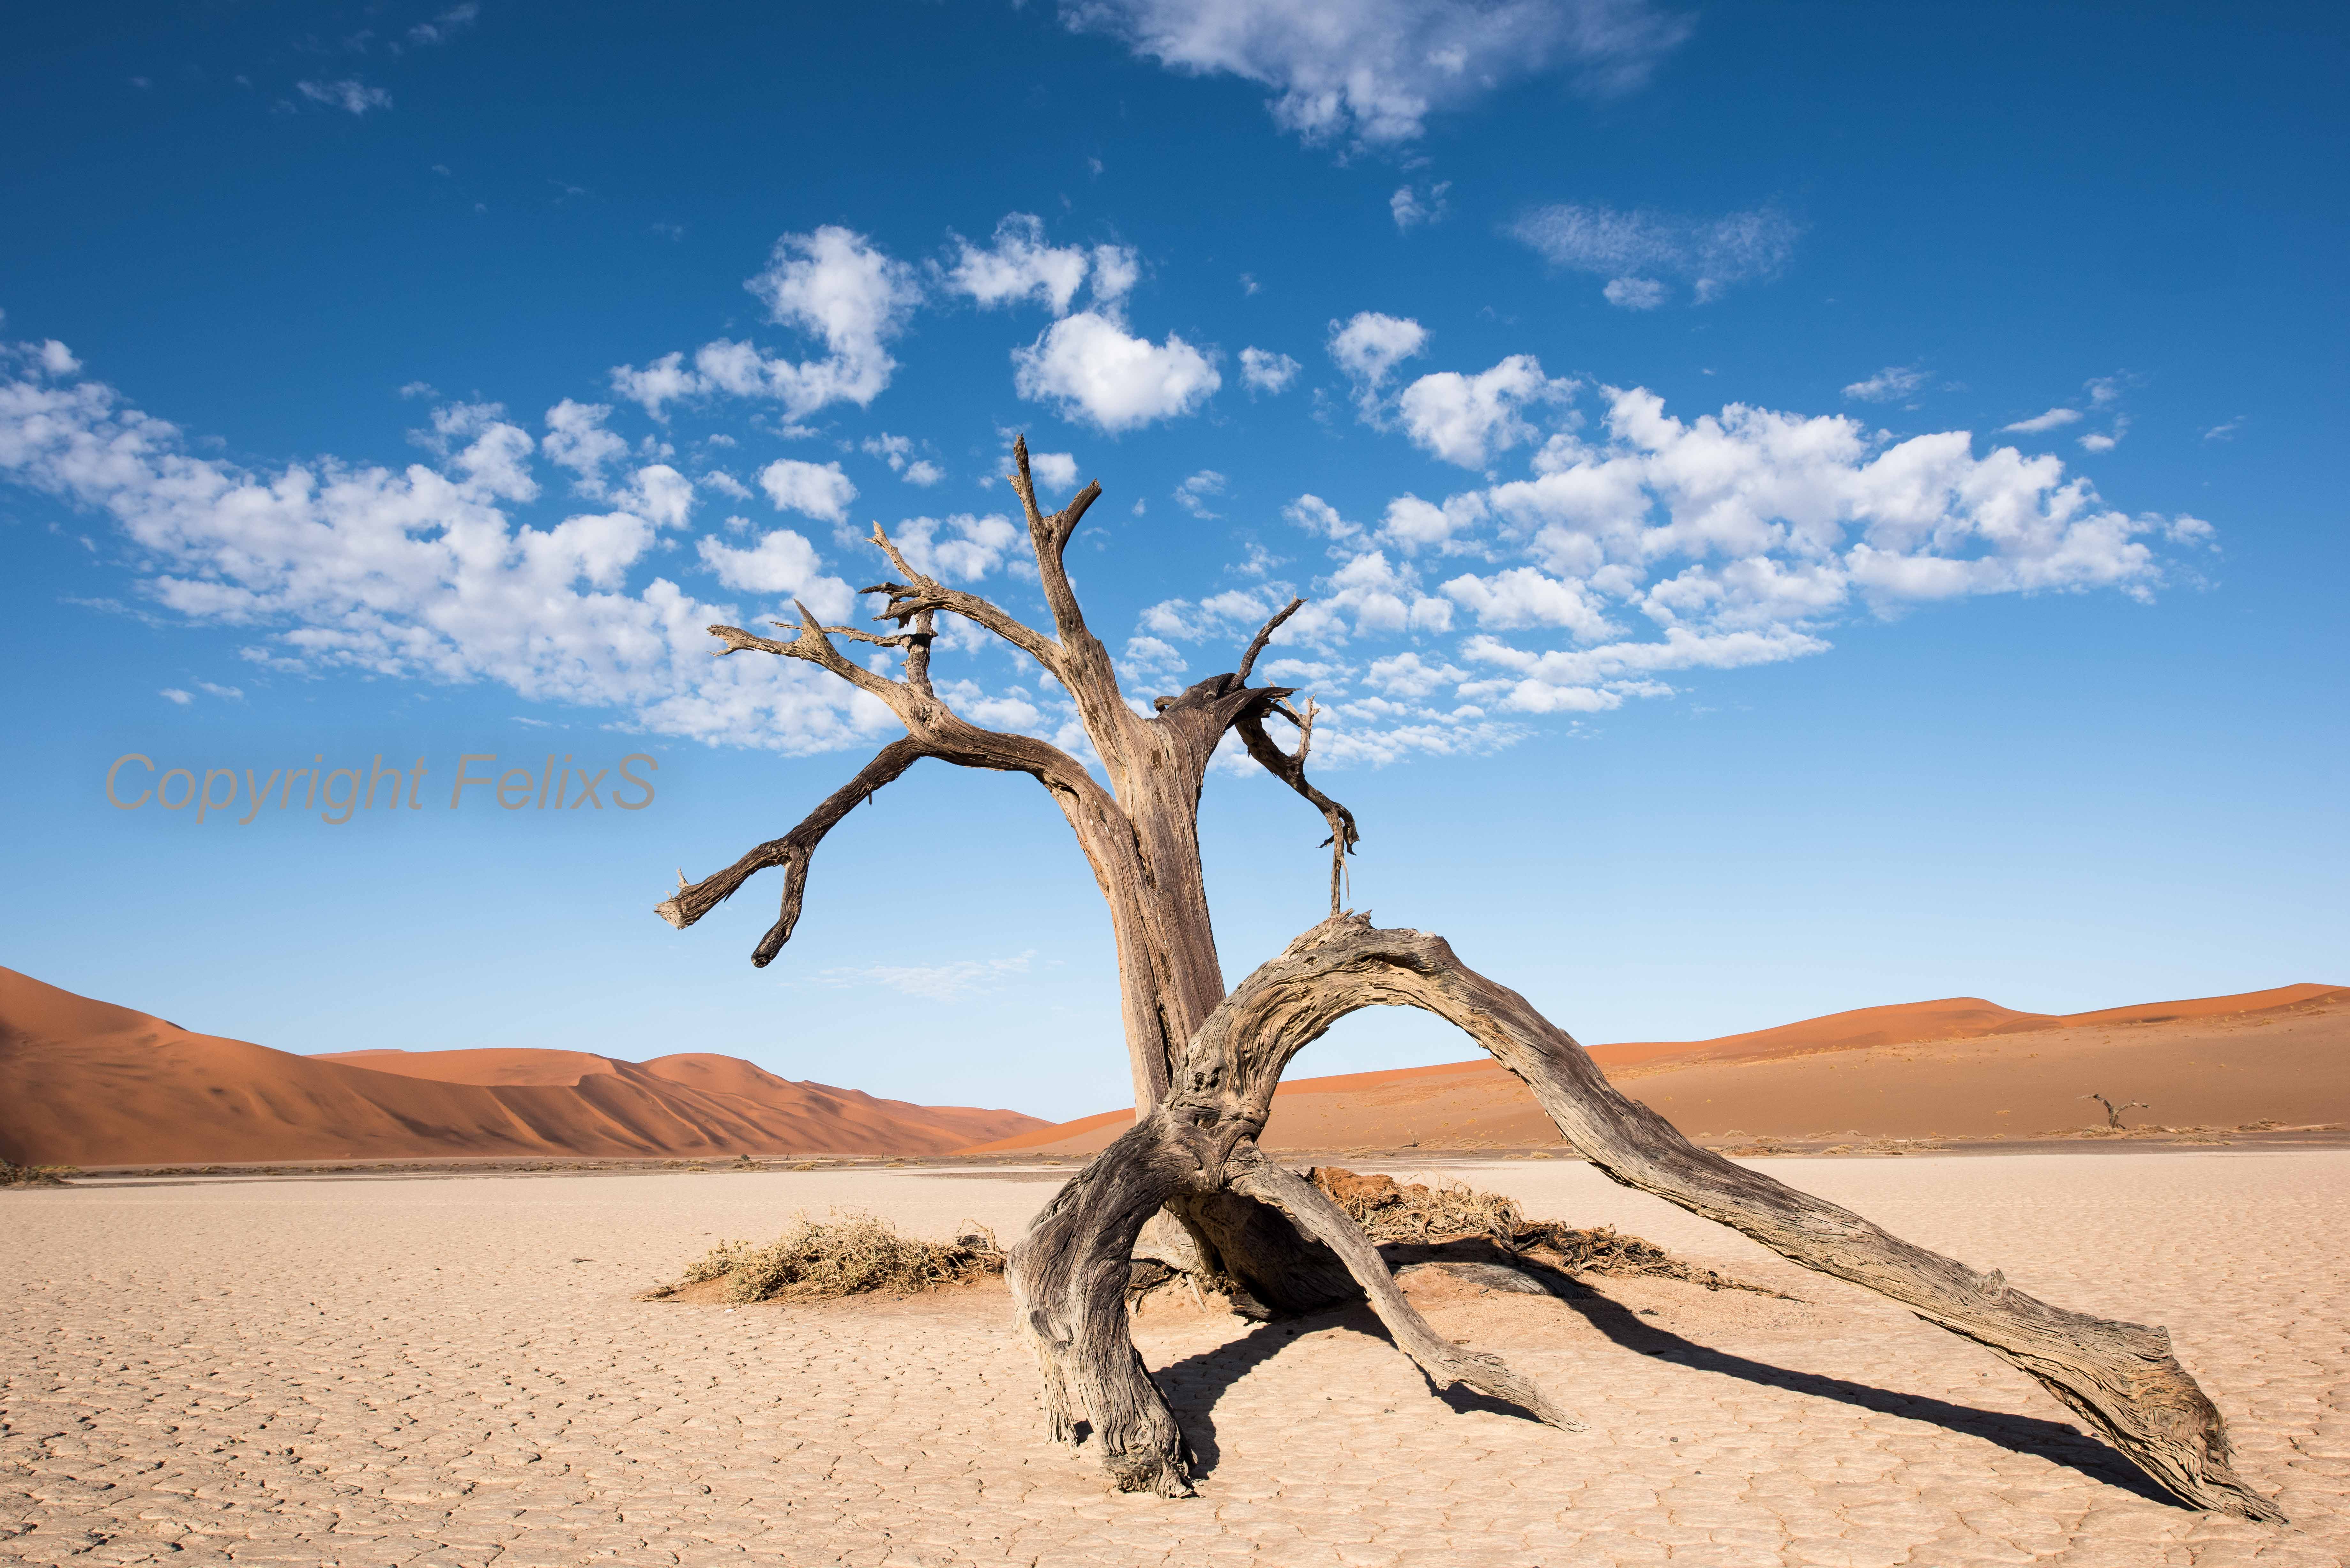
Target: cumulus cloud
[
  {"x": 1055, "y": 471},
  {"x": 421, "y": 572},
  {"x": 1895, "y": 381},
  {"x": 575, "y": 438},
  {"x": 963, "y": 547},
  {"x": 783, "y": 564},
  {"x": 1635, "y": 293},
  {"x": 1194, "y": 493},
  {"x": 1020, "y": 266},
  {"x": 815, "y": 490},
  {"x": 832, "y": 285},
  {"x": 1089, "y": 367},
  {"x": 1635, "y": 249},
  {"x": 1372, "y": 71},
  {"x": 1466, "y": 419},
  {"x": 1368, "y": 346},
  {"x": 350, "y": 95},
  {"x": 1270, "y": 373},
  {"x": 1410, "y": 207}
]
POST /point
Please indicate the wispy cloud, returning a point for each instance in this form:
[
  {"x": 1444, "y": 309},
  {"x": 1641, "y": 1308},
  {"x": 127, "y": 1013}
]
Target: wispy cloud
[
  {"x": 938, "y": 981},
  {"x": 350, "y": 94},
  {"x": 1638, "y": 249},
  {"x": 1893, "y": 382},
  {"x": 1371, "y": 72}
]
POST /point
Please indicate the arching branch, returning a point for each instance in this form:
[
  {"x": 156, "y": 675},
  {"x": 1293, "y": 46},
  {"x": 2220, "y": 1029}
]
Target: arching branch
[
  {"x": 792, "y": 851},
  {"x": 2120, "y": 1378}
]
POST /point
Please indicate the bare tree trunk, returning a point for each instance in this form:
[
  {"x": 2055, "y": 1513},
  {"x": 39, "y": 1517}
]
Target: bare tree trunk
[{"x": 1068, "y": 1272}]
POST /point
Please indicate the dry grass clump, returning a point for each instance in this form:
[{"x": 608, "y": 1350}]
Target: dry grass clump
[
  {"x": 36, "y": 1175},
  {"x": 849, "y": 1255},
  {"x": 1393, "y": 1212}
]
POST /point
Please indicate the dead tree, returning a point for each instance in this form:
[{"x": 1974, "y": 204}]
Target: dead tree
[
  {"x": 2113, "y": 1116},
  {"x": 1204, "y": 1064}
]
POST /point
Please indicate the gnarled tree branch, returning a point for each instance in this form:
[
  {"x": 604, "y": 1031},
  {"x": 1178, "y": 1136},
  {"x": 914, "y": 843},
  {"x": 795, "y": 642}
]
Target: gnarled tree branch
[
  {"x": 1291, "y": 770},
  {"x": 792, "y": 851},
  {"x": 2119, "y": 1377}
]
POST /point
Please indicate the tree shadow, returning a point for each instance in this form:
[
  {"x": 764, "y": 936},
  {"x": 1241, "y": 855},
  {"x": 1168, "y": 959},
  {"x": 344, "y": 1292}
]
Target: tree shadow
[{"x": 1195, "y": 1384}]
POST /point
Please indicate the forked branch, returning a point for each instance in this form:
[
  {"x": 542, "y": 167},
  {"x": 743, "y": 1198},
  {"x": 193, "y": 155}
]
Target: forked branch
[{"x": 792, "y": 851}]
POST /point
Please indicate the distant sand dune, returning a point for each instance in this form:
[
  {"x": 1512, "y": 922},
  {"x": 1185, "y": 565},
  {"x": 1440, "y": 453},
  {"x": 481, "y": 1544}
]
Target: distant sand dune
[
  {"x": 1959, "y": 1067},
  {"x": 87, "y": 1083}
]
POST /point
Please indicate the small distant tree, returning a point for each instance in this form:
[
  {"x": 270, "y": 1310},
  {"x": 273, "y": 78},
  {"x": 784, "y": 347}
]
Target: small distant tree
[
  {"x": 1188, "y": 1184},
  {"x": 2114, "y": 1114}
]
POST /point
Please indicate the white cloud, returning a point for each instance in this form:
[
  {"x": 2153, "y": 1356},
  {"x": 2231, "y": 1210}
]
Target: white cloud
[
  {"x": 1523, "y": 597},
  {"x": 455, "y": 19},
  {"x": 783, "y": 564},
  {"x": 1634, "y": 248},
  {"x": 1410, "y": 209},
  {"x": 1266, "y": 372},
  {"x": 1019, "y": 267},
  {"x": 1635, "y": 293},
  {"x": 575, "y": 438},
  {"x": 725, "y": 483},
  {"x": 56, "y": 359},
  {"x": 1057, "y": 471},
  {"x": 1893, "y": 382},
  {"x": 816, "y": 490},
  {"x": 173, "y": 694},
  {"x": 962, "y": 548},
  {"x": 2226, "y": 430},
  {"x": 1408, "y": 675},
  {"x": 1194, "y": 493},
  {"x": 1466, "y": 419},
  {"x": 923, "y": 473},
  {"x": 832, "y": 284},
  {"x": 421, "y": 572},
  {"x": 935, "y": 983},
  {"x": 351, "y": 95},
  {"x": 1373, "y": 70},
  {"x": 2054, "y": 419},
  {"x": 1413, "y": 525},
  {"x": 1316, "y": 515},
  {"x": 1089, "y": 367},
  {"x": 1368, "y": 346}
]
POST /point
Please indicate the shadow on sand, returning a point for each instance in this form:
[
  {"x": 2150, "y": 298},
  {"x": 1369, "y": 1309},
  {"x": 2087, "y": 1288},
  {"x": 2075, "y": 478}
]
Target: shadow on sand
[{"x": 1194, "y": 1384}]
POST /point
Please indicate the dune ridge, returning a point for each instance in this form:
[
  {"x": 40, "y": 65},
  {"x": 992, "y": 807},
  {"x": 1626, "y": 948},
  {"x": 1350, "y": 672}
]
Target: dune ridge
[
  {"x": 1955, "y": 1066},
  {"x": 84, "y": 1081}
]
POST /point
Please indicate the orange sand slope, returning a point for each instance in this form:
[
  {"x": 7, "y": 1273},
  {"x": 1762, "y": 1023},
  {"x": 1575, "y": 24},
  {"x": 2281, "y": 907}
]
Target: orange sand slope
[
  {"x": 1960, "y": 1067},
  {"x": 85, "y": 1083}
]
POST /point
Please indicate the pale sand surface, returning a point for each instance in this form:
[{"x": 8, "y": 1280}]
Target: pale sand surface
[{"x": 453, "y": 1371}]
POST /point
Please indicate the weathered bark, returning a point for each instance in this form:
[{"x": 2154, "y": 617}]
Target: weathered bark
[
  {"x": 1140, "y": 836},
  {"x": 1068, "y": 1272}
]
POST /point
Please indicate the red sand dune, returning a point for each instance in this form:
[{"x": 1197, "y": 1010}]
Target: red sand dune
[
  {"x": 1959, "y": 1067},
  {"x": 86, "y": 1083}
]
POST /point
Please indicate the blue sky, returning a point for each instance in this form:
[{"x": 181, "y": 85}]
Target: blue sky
[{"x": 1803, "y": 507}]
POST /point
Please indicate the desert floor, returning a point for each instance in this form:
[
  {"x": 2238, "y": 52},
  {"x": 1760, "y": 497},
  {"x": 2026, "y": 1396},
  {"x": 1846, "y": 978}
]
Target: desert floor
[{"x": 454, "y": 1371}]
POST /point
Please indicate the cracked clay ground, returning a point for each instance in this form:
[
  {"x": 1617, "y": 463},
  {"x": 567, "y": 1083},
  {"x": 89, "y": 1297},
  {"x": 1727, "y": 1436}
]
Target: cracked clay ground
[{"x": 453, "y": 1372}]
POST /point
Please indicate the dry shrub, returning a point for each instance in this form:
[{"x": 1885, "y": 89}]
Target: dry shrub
[
  {"x": 849, "y": 1255},
  {"x": 1393, "y": 1212},
  {"x": 36, "y": 1175}
]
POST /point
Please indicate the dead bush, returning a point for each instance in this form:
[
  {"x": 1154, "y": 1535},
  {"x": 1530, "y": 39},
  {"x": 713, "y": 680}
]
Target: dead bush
[
  {"x": 1414, "y": 1215},
  {"x": 849, "y": 1255},
  {"x": 36, "y": 1175}
]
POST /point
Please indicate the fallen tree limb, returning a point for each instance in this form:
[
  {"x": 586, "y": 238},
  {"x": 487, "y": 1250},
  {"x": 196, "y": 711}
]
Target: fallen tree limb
[{"x": 1069, "y": 1272}]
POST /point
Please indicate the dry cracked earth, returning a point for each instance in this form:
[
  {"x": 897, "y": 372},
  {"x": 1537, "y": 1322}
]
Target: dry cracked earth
[{"x": 455, "y": 1372}]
